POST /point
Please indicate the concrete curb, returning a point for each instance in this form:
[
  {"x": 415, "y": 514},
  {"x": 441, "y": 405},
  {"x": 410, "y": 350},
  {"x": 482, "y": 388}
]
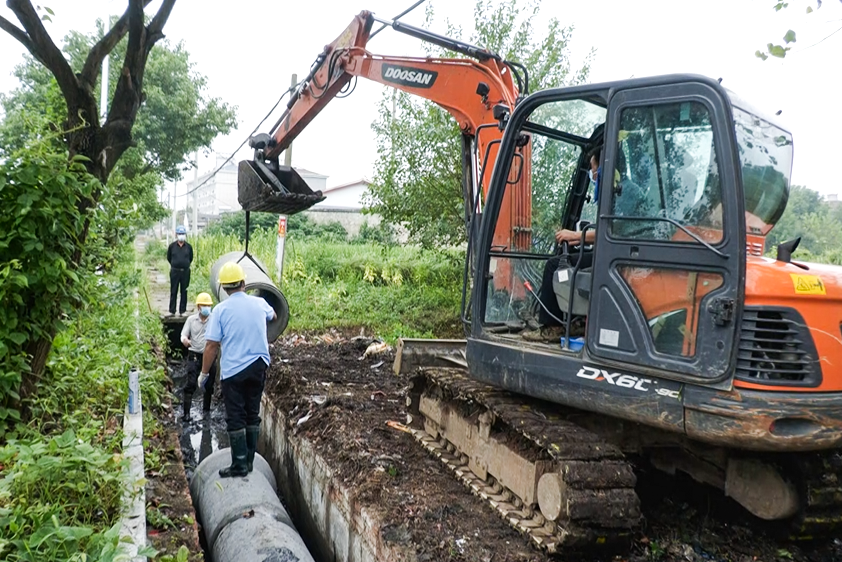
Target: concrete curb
[
  {"x": 133, "y": 522},
  {"x": 326, "y": 511}
]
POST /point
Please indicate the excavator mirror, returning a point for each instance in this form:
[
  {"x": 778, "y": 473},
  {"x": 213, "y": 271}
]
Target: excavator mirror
[
  {"x": 501, "y": 114},
  {"x": 786, "y": 249}
]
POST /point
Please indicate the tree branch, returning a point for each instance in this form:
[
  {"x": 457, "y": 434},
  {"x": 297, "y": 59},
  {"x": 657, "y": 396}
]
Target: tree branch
[
  {"x": 42, "y": 48},
  {"x": 156, "y": 26},
  {"x": 16, "y": 32},
  {"x": 104, "y": 47}
]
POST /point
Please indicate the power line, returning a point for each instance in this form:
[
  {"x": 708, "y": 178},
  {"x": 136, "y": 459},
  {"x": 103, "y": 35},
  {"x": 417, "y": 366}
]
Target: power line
[
  {"x": 242, "y": 144},
  {"x": 820, "y": 42}
]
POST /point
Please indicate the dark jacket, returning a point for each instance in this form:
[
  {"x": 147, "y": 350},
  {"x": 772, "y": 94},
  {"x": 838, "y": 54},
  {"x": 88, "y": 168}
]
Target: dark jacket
[{"x": 180, "y": 257}]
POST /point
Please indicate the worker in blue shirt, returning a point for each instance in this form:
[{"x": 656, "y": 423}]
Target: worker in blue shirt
[{"x": 238, "y": 326}]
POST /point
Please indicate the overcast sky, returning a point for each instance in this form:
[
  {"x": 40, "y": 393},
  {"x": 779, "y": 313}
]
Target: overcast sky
[{"x": 249, "y": 49}]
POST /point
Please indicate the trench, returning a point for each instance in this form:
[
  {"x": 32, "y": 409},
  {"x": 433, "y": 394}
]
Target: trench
[{"x": 206, "y": 433}]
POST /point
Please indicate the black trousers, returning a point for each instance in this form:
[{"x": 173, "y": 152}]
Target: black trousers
[
  {"x": 242, "y": 393},
  {"x": 179, "y": 278},
  {"x": 194, "y": 369},
  {"x": 548, "y": 295}
]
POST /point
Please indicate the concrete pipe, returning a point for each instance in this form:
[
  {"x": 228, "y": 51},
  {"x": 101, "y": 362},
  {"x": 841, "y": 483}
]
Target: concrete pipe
[
  {"x": 258, "y": 284},
  {"x": 242, "y": 518}
]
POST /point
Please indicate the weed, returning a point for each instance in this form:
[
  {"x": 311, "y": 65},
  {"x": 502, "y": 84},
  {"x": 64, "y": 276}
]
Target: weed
[
  {"x": 60, "y": 474},
  {"x": 159, "y": 520}
]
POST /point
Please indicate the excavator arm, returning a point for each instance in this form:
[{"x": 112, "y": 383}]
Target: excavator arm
[
  {"x": 478, "y": 92},
  {"x": 454, "y": 84}
]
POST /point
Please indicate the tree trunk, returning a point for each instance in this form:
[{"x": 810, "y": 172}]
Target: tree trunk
[{"x": 38, "y": 350}]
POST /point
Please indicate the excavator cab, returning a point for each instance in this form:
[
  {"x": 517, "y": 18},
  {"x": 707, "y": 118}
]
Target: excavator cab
[{"x": 661, "y": 291}]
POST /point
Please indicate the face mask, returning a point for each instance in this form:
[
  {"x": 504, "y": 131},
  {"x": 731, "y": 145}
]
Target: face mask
[
  {"x": 182, "y": 237},
  {"x": 205, "y": 311},
  {"x": 594, "y": 177}
]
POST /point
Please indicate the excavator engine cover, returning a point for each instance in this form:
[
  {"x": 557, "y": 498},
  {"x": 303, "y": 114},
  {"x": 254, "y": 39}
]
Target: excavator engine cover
[{"x": 281, "y": 190}]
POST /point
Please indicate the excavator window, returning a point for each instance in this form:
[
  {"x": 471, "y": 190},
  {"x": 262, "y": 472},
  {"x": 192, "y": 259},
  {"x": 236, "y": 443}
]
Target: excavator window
[
  {"x": 766, "y": 163},
  {"x": 666, "y": 169},
  {"x": 559, "y": 134}
]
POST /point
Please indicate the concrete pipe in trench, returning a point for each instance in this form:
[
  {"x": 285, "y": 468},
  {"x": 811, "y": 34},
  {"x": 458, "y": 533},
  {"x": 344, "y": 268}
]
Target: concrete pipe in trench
[
  {"x": 242, "y": 518},
  {"x": 258, "y": 284}
]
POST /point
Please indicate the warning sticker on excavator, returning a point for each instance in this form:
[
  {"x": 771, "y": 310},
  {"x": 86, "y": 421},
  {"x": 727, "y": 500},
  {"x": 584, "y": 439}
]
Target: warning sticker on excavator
[{"x": 808, "y": 284}]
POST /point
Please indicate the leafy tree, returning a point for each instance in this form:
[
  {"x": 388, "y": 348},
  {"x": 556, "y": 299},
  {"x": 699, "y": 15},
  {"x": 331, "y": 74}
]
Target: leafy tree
[
  {"x": 417, "y": 178},
  {"x": 176, "y": 119},
  {"x": 74, "y": 187},
  {"x": 780, "y": 50},
  {"x": 817, "y": 223}
]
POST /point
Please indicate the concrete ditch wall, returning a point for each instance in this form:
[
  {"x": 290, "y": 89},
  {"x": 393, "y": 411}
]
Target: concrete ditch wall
[{"x": 333, "y": 524}]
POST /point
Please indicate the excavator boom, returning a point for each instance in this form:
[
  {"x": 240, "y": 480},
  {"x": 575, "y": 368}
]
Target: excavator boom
[{"x": 478, "y": 92}]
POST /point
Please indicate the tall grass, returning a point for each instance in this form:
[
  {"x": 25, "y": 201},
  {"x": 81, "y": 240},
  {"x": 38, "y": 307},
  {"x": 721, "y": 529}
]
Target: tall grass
[{"x": 391, "y": 290}]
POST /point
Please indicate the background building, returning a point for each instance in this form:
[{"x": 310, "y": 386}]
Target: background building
[{"x": 344, "y": 204}]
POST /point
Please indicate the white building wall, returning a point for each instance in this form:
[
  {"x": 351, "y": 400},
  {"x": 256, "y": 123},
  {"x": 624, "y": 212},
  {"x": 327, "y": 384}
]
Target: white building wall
[{"x": 346, "y": 197}]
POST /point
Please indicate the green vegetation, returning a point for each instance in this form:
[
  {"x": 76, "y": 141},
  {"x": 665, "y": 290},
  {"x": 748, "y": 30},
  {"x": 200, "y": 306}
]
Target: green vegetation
[
  {"x": 60, "y": 481},
  {"x": 392, "y": 290},
  {"x": 418, "y": 173},
  {"x": 73, "y": 189},
  {"x": 780, "y": 50},
  {"x": 299, "y": 227},
  {"x": 818, "y": 223}
]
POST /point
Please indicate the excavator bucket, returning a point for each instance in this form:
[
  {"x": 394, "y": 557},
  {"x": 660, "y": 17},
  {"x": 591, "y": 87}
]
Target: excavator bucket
[{"x": 264, "y": 188}]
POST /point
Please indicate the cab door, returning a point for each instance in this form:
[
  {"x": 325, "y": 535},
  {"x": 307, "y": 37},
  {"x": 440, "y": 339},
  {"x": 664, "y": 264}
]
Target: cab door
[{"x": 669, "y": 260}]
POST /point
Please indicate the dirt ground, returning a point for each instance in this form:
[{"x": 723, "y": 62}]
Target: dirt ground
[
  {"x": 341, "y": 401},
  {"x": 170, "y": 517}
]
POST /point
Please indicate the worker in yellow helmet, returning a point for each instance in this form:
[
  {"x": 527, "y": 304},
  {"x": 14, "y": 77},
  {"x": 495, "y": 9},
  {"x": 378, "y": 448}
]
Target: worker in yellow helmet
[
  {"x": 193, "y": 338},
  {"x": 238, "y": 326}
]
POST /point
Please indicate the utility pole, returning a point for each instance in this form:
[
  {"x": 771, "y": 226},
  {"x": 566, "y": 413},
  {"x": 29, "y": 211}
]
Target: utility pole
[
  {"x": 174, "y": 205},
  {"x": 288, "y": 151},
  {"x": 195, "y": 193}
]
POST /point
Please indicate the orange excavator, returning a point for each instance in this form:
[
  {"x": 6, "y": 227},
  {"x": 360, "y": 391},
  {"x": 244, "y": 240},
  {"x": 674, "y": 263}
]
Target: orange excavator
[{"x": 680, "y": 342}]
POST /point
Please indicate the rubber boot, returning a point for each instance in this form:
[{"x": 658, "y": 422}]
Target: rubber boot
[
  {"x": 252, "y": 435},
  {"x": 239, "y": 451},
  {"x": 188, "y": 399},
  {"x": 206, "y": 401}
]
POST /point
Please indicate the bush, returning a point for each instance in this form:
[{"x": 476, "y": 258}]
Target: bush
[
  {"x": 299, "y": 226},
  {"x": 60, "y": 474},
  {"x": 391, "y": 290},
  {"x": 380, "y": 234}
]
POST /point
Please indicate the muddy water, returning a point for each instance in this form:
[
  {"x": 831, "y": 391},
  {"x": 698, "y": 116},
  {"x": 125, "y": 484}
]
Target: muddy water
[{"x": 205, "y": 432}]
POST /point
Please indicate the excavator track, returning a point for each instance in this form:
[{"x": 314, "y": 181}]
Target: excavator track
[
  {"x": 554, "y": 481},
  {"x": 821, "y": 487}
]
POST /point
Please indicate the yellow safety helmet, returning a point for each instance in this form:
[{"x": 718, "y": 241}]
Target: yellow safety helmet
[
  {"x": 231, "y": 274},
  {"x": 204, "y": 299}
]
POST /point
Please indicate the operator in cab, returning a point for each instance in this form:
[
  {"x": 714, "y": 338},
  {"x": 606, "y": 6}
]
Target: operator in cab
[
  {"x": 550, "y": 315},
  {"x": 627, "y": 201}
]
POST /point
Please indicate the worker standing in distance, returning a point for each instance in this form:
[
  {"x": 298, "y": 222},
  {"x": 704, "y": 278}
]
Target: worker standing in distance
[
  {"x": 193, "y": 338},
  {"x": 238, "y": 326},
  {"x": 180, "y": 257}
]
